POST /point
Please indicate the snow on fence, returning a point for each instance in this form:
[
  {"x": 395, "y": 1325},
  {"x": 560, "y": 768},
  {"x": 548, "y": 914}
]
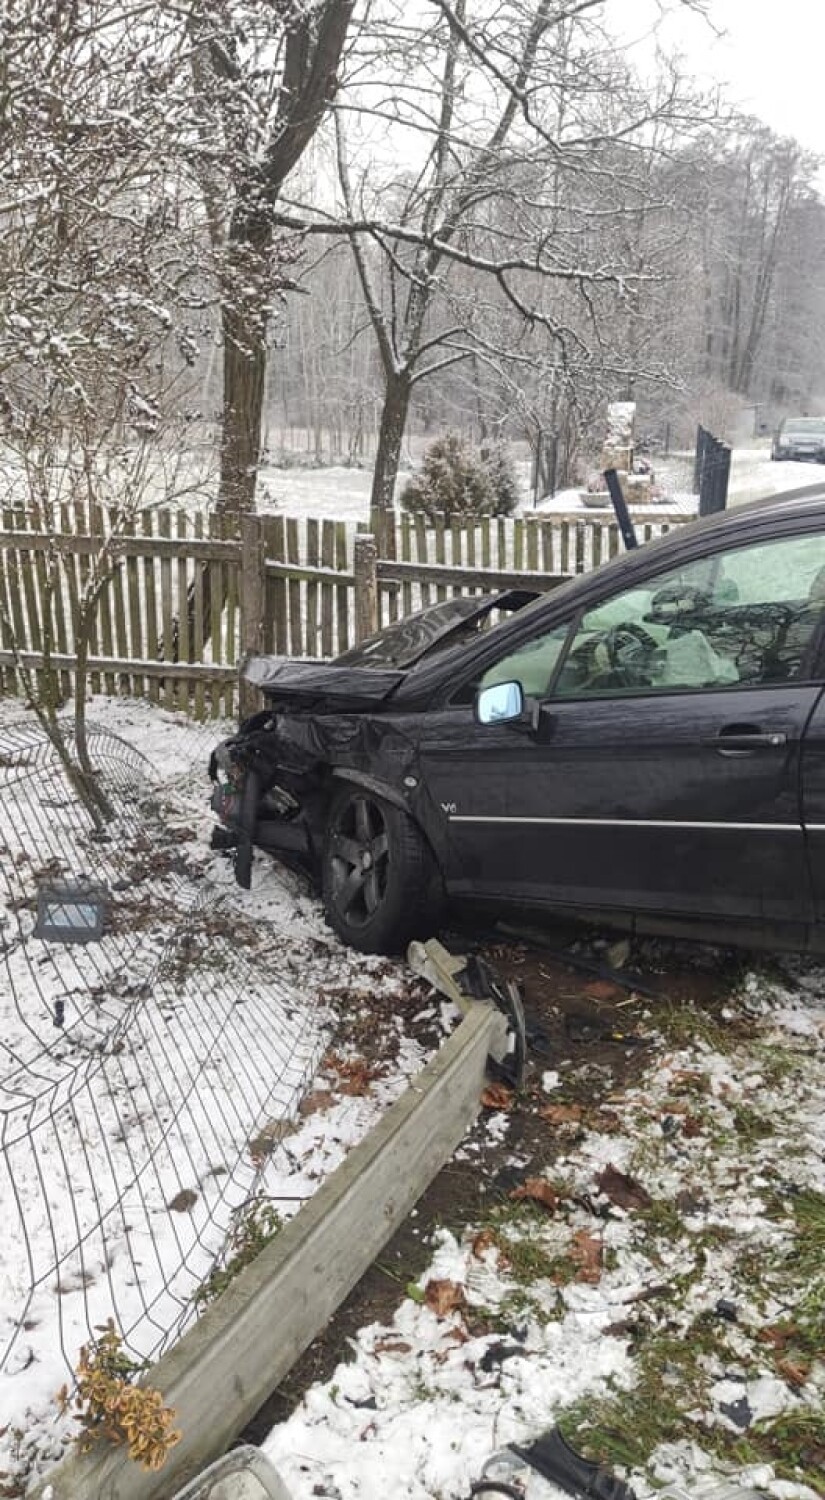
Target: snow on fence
[
  {"x": 186, "y": 598},
  {"x": 137, "y": 1072}
]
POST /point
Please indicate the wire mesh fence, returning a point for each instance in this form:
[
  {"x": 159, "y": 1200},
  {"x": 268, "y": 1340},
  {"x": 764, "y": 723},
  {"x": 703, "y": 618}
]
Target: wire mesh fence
[{"x": 138, "y": 1073}]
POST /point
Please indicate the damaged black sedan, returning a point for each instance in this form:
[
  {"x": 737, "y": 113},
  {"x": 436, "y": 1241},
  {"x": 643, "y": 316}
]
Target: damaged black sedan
[{"x": 643, "y": 745}]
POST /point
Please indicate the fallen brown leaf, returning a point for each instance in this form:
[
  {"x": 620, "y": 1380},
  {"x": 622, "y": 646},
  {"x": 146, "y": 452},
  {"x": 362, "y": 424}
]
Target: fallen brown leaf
[
  {"x": 184, "y": 1201},
  {"x": 778, "y": 1335},
  {"x": 795, "y": 1373},
  {"x": 622, "y": 1190},
  {"x": 587, "y": 1254},
  {"x": 497, "y": 1096},
  {"x": 602, "y": 989},
  {"x": 483, "y": 1241},
  {"x": 561, "y": 1114},
  {"x": 444, "y": 1297},
  {"x": 391, "y": 1346},
  {"x": 316, "y": 1102},
  {"x": 266, "y": 1142},
  {"x": 354, "y": 1076},
  {"x": 538, "y": 1190},
  {"x": 621, "y": 1330}
]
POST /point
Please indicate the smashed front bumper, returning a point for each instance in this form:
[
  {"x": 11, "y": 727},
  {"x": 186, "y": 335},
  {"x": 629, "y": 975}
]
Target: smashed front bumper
[{"x": 254, "y": 811}]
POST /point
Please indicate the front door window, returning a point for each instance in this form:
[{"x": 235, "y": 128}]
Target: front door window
[{"x": 742, "y": 618}]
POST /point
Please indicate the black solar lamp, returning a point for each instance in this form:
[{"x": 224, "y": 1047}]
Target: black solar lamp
[{"x": 70, "y": 911}]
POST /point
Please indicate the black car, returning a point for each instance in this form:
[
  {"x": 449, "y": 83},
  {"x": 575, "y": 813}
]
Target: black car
[
  {"x": 800, "y": 438},
  {"x": 644, "y": 745}
]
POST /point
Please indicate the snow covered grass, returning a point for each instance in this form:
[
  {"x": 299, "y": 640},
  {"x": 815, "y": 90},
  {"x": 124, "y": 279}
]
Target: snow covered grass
[
  {"x": 658, "y": 1291},
  {"x": 659, "y": 1295}
]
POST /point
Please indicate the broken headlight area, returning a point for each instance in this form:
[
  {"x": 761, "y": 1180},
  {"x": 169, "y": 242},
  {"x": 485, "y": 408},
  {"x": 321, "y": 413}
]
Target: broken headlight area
[{"x": 252, "y": 803}]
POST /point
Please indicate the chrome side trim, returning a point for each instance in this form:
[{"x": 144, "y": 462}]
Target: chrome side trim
[{"x": 639, "y": 823}]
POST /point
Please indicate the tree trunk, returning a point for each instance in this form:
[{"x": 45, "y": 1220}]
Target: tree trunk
[
  {"x": 390, "y": 437},
  {"x": 244, "y": 379}
]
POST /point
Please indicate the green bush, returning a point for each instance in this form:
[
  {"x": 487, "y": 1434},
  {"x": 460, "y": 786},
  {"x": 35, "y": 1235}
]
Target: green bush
[
  {"x": 498, "y": 463},
  {"x": 459, "y": 483}
]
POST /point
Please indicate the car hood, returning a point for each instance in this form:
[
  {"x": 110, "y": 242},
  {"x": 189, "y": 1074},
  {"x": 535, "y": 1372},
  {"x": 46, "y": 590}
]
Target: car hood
[{"x": 372, "y": 671}]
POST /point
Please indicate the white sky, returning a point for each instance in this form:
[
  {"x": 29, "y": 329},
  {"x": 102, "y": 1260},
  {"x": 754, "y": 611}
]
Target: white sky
[{"x": 769, "y": 55}]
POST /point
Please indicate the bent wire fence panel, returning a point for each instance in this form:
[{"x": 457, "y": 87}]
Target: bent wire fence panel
[{"x": 136, "y": 1073}]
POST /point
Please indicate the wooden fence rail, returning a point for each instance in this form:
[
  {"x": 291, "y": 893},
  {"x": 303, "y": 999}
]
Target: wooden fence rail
[{"x": 186, "y": 599}]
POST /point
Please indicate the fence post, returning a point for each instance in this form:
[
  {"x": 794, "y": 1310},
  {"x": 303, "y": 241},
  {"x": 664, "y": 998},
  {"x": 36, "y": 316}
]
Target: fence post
[
  {"x": 253, "y": 602},
  {"x": 714, "y": 478},
  {"x": 366, "y": 586},
  {"x": 724, "y": 476},
  {"x": 699, "y": 458}
]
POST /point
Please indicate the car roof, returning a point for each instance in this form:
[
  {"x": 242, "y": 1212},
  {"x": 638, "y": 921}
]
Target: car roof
[{"x": 806, "y": 501}]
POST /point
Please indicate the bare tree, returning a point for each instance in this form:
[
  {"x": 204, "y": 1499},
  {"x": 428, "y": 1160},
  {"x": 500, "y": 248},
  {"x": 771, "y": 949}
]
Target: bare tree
[
  {"x": 263, "y": 78},
  {"x": 533, "y": 140},
  {"x": 94, "y": 336}
]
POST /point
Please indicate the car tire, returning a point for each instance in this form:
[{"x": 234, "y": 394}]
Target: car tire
[{"x": 377, "y": 872}]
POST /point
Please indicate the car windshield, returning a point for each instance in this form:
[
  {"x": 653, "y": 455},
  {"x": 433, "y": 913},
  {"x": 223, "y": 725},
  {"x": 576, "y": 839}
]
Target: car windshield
[{"x": 814, "y": 425}]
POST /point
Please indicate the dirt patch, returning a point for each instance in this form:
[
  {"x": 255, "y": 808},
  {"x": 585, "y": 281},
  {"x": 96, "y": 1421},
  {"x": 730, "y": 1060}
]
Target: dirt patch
[{"x": 590, "y": 1035}]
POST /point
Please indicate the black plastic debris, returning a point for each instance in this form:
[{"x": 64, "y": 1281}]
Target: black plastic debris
[
  {"x": 584, "y": 1026},
  {"x": 465, "y": 978},
  {"x": 727, "y": 1311},
  {"x": 739, "y": 1412},
  {"x": 552, "y": 1456},
  {"x": 624, "y": 978},
  {"x": 481, "y": 982},
  {"x": 494, "y": 1357}
]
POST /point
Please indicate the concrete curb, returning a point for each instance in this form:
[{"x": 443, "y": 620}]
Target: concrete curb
[{"x": 223, "y": 1369}]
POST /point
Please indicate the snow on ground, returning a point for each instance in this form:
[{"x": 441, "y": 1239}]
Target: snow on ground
[
  {"x": 754, "y": 475},
  {"x": 725, "y": 1142},
  {"x": 343, "y": 493},
  {"x": 725, "y": 1135},
  {"x": 172, "y": 1090}
]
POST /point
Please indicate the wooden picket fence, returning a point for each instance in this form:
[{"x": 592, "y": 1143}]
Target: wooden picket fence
[
  {"x": 167, "y": 624},
  {"x": 186, "y": 598}
]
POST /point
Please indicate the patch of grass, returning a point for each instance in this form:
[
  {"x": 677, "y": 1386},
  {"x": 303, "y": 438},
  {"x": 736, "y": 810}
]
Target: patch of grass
[
  {"x": 258, "y": 1223},
  {"x": 806, "y": 1262},
  {"x": 674, "y": 1374},
  {"x": 519, "y": 1306},
  {"x": 528, "y": 1261},
  {"x": 793, "y": 1274},
  {"x": 793, "y": 1443},
  {"x": 674, "y": 1371},
  {"x": 751, "y": 1124},
  {"x": 685, "y": 1025},
  {"x": 662, "y": 1220},
  {"x": 624, "y": 1427},
  {"x": 777, "y": 1065}
]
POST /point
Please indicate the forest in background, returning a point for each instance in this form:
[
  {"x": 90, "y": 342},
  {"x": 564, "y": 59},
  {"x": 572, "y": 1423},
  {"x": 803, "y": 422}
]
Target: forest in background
[{"x": 321, "y": 230}]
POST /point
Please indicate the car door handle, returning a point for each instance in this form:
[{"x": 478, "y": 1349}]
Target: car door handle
[{"x": 740, "y": 739}]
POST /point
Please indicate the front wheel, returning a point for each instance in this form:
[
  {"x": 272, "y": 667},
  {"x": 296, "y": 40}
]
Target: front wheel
[{"x": 376, "y": 873}]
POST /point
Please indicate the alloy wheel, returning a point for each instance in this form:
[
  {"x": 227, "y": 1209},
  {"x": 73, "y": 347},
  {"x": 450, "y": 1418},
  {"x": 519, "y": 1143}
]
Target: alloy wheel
[{"x": 359, "y": 860}]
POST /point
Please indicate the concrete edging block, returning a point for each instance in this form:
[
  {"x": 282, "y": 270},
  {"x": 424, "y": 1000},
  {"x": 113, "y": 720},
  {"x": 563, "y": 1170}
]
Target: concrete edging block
[{"x": 222, "y": 1370}]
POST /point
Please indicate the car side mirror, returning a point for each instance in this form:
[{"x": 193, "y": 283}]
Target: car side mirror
[{"x": 500, "y": 704}]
